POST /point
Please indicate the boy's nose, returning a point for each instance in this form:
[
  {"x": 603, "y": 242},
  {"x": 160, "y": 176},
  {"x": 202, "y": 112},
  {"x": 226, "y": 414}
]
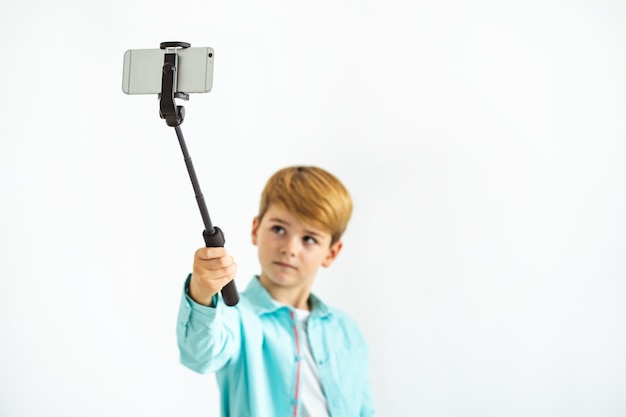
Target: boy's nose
[{"x": 290, "y": 247}]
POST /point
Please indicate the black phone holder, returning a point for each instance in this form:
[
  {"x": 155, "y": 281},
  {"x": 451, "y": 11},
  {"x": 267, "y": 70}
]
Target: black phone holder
[{"x": 174, "y": 116}]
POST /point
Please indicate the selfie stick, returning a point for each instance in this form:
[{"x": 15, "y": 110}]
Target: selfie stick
[{"x": 174, "y": 115}]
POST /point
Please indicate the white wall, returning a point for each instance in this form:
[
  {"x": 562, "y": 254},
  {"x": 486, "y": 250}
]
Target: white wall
[{"x": 484, "y": 145}]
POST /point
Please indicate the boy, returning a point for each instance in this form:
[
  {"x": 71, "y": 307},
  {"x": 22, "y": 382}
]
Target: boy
[{"x": 280, "y": 351}]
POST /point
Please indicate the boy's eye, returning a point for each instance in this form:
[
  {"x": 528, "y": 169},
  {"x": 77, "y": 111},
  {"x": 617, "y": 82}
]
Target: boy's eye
[
  {"x": 278, "y": 229},
  {"x": 310, "y": 240}
]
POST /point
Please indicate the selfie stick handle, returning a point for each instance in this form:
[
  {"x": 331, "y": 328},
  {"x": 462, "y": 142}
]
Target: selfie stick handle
[
  {"x": 213, "y": 235},
  {"x": 174, "y": 115}
]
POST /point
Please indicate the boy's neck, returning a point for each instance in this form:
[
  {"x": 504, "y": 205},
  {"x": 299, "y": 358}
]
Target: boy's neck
[{"x": 295, "y": 297}]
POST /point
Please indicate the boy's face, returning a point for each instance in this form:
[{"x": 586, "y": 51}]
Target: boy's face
[{"x": 290, "y": 252}]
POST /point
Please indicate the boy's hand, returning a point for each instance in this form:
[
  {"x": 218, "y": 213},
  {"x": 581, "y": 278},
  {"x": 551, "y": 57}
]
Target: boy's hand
[{"x": 213, "y": 268}]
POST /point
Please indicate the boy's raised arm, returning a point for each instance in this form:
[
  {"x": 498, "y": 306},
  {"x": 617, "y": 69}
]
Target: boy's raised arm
[{"x": 208, "y": 334}]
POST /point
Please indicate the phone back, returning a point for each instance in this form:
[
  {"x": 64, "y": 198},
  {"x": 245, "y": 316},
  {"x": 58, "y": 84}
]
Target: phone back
[{"x": 143, "y": 69}]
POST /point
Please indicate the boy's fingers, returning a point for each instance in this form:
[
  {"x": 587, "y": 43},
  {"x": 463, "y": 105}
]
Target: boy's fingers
[
  {"x": 223, "y": 262},
  {"x": 217, "y": 263},
  {"x": 210, "y": 253},
  {"x": 226, "y": 273}
]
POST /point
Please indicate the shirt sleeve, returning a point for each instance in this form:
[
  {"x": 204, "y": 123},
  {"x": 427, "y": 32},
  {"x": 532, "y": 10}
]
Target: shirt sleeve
[
  {"x": 208, "y": 337},
  {"x": 367, "y": 409}
]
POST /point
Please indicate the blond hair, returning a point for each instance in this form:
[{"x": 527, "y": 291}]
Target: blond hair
[{"x": 313, "y": 195}]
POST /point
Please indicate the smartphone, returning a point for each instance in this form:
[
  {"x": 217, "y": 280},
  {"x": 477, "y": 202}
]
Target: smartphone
[{"x": 143, "y": 70}]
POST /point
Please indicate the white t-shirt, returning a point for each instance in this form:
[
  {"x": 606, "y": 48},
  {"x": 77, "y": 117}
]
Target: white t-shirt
[{"x": 311, "y": 395}]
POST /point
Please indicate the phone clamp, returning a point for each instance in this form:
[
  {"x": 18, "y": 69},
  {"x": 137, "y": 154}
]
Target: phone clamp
[{"x": 168, "y": 110}]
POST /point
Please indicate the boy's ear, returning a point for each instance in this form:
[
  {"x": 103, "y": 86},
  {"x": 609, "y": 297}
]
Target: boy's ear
[
  {"x": 333, "y": 251},
  {"x": 255, "y": 228}
]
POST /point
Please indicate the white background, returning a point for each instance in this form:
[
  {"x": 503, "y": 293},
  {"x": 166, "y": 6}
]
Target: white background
[{"x": 483, "y": 142}]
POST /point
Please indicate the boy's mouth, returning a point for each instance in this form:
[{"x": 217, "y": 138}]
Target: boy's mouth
[{"x": 284, "y": 265}]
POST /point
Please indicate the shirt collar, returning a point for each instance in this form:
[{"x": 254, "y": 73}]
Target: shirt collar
[{"x": 263, "y": 303}]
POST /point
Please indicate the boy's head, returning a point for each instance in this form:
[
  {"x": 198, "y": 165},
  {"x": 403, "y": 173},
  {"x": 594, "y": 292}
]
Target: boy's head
[{"x": 313, "y": 195}]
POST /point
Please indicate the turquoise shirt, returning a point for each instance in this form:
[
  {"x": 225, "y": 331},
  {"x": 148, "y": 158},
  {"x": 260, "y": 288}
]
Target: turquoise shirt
[{"x": 254, "y": 350}]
